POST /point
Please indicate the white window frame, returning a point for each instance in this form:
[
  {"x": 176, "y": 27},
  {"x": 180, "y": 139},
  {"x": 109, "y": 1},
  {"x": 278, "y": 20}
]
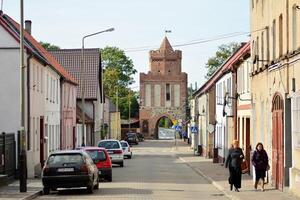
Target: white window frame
[{"x": 295, "y": 121}]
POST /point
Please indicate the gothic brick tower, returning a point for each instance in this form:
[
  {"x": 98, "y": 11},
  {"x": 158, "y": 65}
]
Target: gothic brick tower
[{"x": 163, "y": 90}]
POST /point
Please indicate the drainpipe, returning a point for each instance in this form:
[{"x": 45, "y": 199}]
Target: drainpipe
[
  {"x": 206, "y": 122},
  {"x": 28, "y": 96},
  {"x": 61, "y": 113}
]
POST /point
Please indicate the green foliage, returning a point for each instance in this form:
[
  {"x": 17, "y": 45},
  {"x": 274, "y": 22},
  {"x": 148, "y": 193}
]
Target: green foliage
[
  {"x": 117, "y": 78},
  {"x": 49, "y": 46},
  {"x": 223, "y": 52},
  {"x": 165, "y": 123}
]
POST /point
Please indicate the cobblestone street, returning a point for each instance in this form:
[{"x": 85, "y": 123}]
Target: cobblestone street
[{"x": 153, "y": 173}]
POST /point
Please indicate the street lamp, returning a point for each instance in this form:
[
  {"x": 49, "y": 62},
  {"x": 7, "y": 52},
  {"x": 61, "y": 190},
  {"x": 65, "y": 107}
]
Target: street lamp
[
  {"x": 22, "y": 159},
  {"x": 83, "y": 79}
]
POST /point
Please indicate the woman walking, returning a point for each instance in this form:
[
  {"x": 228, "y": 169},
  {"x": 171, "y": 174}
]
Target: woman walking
[
  {"x": 260, "y": 163},
  {"x": 233, "y": 161}
]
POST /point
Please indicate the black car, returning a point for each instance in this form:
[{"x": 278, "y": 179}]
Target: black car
[
  {"x": 132, "y": 138},
  {"x": 140, "y": 137},
  {"x": 69, "y": 169}
]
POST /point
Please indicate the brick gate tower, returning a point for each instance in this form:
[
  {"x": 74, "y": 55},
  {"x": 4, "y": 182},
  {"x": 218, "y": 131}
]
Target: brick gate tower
[{"x": 163, "y": 90}]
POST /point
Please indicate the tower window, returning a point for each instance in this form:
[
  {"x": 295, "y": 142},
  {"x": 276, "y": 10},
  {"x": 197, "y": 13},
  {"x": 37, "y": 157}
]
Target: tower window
[{"x": 168, "y": 92}]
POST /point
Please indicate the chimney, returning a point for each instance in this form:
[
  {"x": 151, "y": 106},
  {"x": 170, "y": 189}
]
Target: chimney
[{"x": 28, "y": 26}]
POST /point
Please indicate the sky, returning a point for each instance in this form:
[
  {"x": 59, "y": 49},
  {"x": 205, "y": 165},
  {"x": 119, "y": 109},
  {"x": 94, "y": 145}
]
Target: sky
[{"x": 139, "y": 23}]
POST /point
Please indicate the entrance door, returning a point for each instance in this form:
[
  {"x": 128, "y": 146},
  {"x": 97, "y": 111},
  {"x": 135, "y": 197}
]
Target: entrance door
[
  {"x": 277, "y": 150},
  {"x": 42, "y": 141},
  {"x": 248, "y": 147}
]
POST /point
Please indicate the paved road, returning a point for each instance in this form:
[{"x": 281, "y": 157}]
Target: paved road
[{"x": 153, "y": 173}]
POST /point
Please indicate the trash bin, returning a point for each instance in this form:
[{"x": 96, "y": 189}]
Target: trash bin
[{"x": 200, "y": 150}]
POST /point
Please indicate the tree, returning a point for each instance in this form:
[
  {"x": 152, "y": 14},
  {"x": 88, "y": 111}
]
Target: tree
[
  {"x": 49, "y": 46},
  {"x": 223, "y": 52},
  {"x": 117, "y": 78},
  {"x": 115, "y": 58}
]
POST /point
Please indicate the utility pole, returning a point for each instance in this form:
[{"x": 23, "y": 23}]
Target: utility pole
[
  {"x": 23, "y": 160},
  {"x": 129, "y": 110},
  {"x": 117, "y": 99}
]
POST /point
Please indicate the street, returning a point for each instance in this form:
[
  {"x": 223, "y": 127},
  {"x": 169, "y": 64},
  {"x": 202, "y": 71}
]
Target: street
[{"x": 153, "y": 173}]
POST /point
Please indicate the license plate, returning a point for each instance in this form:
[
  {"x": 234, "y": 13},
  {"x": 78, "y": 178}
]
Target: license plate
[
  {"x": 110, "y": 152},
  {"x": 65, "y": 170}
]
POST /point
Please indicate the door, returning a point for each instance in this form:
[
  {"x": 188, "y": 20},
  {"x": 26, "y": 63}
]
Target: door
[
  {"x": 42, "y": 142},
  {"x": 277, "y": 143},
  {"x": 247, "y": 141}
]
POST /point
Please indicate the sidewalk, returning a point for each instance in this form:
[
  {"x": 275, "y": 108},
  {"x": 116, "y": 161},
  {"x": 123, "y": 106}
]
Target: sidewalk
[
  {"x": 11, "y": 192},
  {"x": 218, "y": 176}
]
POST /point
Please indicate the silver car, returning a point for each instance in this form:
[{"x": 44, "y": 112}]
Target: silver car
[
  {"x": 115, "y": 151},
  {"x": 126, "y": 148}
]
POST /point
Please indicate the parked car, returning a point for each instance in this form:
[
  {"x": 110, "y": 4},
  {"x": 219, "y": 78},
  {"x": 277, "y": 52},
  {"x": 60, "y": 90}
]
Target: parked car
[
  {"x": 126, "y": 148},
  {"x": 115, "y": 151},
  {"x": 132, "y": 138},
  {"x": 102, "y": 160},
  {"x": 69, "y": 169}
]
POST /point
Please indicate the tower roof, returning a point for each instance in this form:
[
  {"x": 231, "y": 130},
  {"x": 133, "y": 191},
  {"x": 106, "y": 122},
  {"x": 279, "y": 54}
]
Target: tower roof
[{"x": 165, "y": 45}]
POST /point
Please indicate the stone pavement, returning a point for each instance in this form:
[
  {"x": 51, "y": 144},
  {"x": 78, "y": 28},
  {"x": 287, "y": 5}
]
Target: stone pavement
[
  {"x": 217, "y": 174},
  {"x": 11, "y": 192}
]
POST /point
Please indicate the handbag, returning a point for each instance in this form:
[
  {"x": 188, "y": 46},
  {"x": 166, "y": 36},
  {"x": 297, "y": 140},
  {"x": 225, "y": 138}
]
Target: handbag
[
  {"x": 266, "y": 181},
  {"x": 244, "y": 167}
]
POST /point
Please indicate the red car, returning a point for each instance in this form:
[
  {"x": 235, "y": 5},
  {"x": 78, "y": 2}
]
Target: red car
[{"x": 102, "y": 161}]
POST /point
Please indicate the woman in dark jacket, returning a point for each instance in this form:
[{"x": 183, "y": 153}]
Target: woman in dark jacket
[
  {"x": 233, "y": 161},
  {"x": 260, "y": 163}
]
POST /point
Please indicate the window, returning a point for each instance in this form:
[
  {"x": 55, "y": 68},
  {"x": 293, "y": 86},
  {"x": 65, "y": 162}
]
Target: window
[
  {"x": 57, "y": 84},
  {"x": 274, "y": 39},
  {"x": 295, "y": 27},
  {"x": 168, "y": 92},
  {"x": 37, "y": 78},
  {"x": 268, "y": 43},
  {"x": 47, "y": 87},
  {"x": 280, "y": 35},
  {"x": 262, "y": 49},
  {"x": 42, "y": 79},
  {"x": 177, "y": 95},
  {"x": 295, "y": 120},
  {"x": 33, "y": 77},
  {"x": 257, "y": 52}
]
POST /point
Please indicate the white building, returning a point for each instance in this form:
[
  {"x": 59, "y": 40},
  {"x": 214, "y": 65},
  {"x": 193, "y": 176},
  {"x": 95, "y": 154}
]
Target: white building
[{"x": 224, "y": 115}]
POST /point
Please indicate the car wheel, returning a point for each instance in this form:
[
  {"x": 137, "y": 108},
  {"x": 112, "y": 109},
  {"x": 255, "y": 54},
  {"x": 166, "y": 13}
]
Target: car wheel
[
  {"x": 109, "y": 178},
  {"x": 89, "y": 189},
  {"x": 46, "y": 191},
  {"x": 130, "y": 156},
  {"x": 122, "y": 164},
  {"x": 96, "y": 187}
]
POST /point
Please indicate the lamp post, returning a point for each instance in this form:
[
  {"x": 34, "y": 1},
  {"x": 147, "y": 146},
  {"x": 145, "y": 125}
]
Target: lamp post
[
  {"x": 22, "y": 161},
  {"x": 83, "y": 80}
]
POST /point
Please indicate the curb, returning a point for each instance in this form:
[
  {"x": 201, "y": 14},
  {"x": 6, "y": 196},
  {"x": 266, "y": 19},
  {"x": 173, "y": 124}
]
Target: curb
[
  {"x": 210, "y": 180},
  {"x": 33, "y": 196}
]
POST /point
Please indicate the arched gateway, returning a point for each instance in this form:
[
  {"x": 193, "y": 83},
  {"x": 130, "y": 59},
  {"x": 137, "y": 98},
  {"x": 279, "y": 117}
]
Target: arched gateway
[{"x": 163, "y": 90}]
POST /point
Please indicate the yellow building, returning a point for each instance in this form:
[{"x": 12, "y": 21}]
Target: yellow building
[{"x": 275, "y": 86}]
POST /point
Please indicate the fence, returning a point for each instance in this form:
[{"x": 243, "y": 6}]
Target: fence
[{"x": 8, "y": 154}]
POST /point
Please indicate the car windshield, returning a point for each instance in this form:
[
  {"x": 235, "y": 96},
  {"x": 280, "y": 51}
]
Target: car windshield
[
  {"x": 97, "y": 155},
  {"x": 60, "y": 159},
  {"x": 124, "y": 144},
  {"x": 109, "y": 144},
  {"x": 130, "y": 134}
]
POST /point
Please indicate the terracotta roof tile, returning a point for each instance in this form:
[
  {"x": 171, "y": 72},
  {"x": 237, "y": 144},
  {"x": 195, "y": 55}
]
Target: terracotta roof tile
[
  {"x": 71, "y": 60},
  {"x": 39, "y": 49}
]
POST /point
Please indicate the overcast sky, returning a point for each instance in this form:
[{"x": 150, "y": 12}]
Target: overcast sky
[{"x": 138, "y": 23}]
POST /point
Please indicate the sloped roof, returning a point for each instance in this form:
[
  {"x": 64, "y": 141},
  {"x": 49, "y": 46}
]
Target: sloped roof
[
  {"x": 224, "y": 68},
  {"x": 71, "y": 60},
  {"x": 34, "y": 46},
  {"x": 165, "y": 45}
]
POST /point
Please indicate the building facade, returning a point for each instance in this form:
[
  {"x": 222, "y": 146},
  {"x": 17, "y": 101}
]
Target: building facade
[
  {"x": 42, "y": 105},
  {"x": 163, "y": 90},
  {"x": 275, "y": 85}
]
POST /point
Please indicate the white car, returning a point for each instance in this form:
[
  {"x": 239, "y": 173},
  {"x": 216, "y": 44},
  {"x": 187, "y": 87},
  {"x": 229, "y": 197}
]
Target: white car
[
  {"x": 126, "y": 148},
  {"x": 115, "y": 151}
]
